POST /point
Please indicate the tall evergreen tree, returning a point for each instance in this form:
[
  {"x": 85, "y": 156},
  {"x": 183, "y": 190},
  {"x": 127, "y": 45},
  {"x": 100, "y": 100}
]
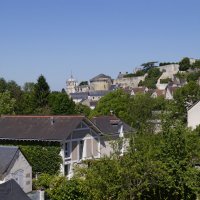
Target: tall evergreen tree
[{"x": 41, "y": 92}]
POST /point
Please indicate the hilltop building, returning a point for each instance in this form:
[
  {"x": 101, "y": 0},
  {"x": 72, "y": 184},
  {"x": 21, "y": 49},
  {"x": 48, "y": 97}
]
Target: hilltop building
[
  {"x": 100, "y": 82},
  {"x": 71, "y": 85},
  {"x": 132, "y": 82}
]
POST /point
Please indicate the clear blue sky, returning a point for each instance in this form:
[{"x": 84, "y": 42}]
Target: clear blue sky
[{"x": 53, "y": 37}]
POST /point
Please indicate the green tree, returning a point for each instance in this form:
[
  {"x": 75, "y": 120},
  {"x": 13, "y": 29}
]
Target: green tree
[
  {"x": 60, "y": 103},
  {"x": 184, "y": 64},
  {"x": 41, "y": 92},
  {"x": 115, "y": 102},
  {"x": 28, "y": 87},
  {"x": 186, "y": 96},
  {"x": 156, "y": 166},
  {"x": 196, "y": 65},
  {"x": 83, "y": 109},
  {"x": 62, "y": 189},
  {"x": 152, "y": 78},
  {"x": 7, "y": 103},
  {"x": 3, "y": 85}
]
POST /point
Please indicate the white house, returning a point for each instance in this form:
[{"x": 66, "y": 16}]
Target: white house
[
  {"x": 193, "y": 115},
  {"x": 13, "y": 165},
  {"x": 79, "y": 137}
]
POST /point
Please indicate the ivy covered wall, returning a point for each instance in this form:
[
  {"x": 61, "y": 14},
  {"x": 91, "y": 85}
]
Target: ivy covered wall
[{"x": 43, "y": 156}]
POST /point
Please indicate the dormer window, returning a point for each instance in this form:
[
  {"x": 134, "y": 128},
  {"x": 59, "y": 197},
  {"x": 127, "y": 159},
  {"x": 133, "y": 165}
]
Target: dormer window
[{"x": 115, "y": 122}]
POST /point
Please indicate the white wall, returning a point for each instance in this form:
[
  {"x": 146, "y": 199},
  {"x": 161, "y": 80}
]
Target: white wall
[
  {"x": 21, "y": 172},
  {"x": 194, "y": 116}
]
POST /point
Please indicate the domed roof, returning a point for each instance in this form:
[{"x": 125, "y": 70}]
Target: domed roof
[{"x": 71, "y": 79}]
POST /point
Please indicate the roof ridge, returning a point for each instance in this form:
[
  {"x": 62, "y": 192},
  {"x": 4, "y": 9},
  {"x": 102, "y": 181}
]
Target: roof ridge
[{"x": 40, "y": 116}]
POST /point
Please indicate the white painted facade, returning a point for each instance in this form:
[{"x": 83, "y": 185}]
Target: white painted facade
[
  {"x": 21, "y": 172},
  {"x": 76, "y": 149},
  {"x": 193, "y": 116}
]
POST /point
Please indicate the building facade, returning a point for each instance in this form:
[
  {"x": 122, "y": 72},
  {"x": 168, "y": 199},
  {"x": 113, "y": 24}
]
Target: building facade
[{"x": 13, "y": 165}]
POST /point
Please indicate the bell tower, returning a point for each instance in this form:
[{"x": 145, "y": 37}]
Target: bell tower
[{"x": 71, "y": 85}]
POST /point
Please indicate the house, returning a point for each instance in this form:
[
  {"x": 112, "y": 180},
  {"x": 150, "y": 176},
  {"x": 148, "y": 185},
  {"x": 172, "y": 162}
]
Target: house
[
  {"x": 79, "y": 137},
  {"x": 13, "y": 165},
  {"x": 193, "y": 117},
  {"x": 158, "y": 93},
  {"x": 170, "y": 90},
  {"x": 112, "y": 128},
  {"x": 79, "y": 97},
  {"x": 10, "y": 190}
]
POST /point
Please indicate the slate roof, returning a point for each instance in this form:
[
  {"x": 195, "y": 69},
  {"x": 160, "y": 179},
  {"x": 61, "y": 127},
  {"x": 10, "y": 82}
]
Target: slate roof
[
  {"x": 99, "y": 93},
  {"x": 79, "y": 95},
  {"x": 10, "y": 190},
  {"x": 110, "y": 124},
  {"x": 42, "y": 128},
  {"x": 96, "y": 78},
  {"x": 8, "y": 154}
]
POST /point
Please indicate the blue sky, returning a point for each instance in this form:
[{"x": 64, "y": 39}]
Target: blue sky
[{"x": 88, "y": 37}]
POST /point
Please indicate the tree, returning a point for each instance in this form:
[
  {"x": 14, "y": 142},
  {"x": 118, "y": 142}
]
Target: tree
[
  {"x": 196, "y": 65},
  {"x": 149, "y": 65},
  {"x": 186, "y": 96},
  {"x": 41, "y": 92},
  {"x": 7, "y": 103},
  {"x": 115, "y": 102},
  {"x": 184, "y": 64},
  {"x": 28, "y": 87},
  {"x": 83, "y": 109},
  {"x": 156, "y": 166},
  {"x": 152, "y": 78},
  {"x": 3, "y": 85},
  {"x": 60, "y": 103}
]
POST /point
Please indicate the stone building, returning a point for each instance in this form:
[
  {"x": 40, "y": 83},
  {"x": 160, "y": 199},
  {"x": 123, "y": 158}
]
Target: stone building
[
  {"x": 100, "y": 82},
  {"x": 131, "y": 82},
  {"x": 71, "y": 85}
]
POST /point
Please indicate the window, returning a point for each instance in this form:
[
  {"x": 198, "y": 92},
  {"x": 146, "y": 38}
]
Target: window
[
  {"x": 81, "y": 148},
  {"x": 67, "y": 169},
  {"x": 67, "y": 149}
]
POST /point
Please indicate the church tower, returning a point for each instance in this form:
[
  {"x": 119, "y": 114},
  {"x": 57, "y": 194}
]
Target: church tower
[{"x": 71, "y": 85}]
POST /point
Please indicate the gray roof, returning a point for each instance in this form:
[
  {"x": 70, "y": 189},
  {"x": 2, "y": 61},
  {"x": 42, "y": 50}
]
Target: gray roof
[
  {"x": 110, "y": 124},
  {"x": 96, "y": 78},
  {"x": 10, "y": 190},
  {"x": 41, "y": 128},
  {"x": 79, "y": 95},
  {"x": 99, "y": 93},
  {"x": 7, "y": 156}
]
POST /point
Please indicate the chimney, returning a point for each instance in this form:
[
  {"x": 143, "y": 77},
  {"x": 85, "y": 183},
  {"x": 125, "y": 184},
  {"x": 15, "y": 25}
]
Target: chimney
[{"x": 52, "y": 120}]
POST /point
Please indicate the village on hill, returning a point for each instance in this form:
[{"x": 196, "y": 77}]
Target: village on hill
[
  {"x": 156, "y": 79},
  {"x": 133, "y": 137}
]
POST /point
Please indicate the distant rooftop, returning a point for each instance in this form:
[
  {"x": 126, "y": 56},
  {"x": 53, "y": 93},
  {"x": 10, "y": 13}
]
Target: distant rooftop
[{"x": 100, "y": 76}]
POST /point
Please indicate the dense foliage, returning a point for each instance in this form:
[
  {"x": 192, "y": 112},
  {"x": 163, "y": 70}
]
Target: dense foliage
[
  {"x": 43, "y": 157},
  {"x": 36, "y": 98},
  {"x": 135, "y": 110},
  {"x": 152, "y": 78},
  {"x": 184, "y": 64},
  {"x": 138, "y": 73},
  {"x": 155, "y": 167}
]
